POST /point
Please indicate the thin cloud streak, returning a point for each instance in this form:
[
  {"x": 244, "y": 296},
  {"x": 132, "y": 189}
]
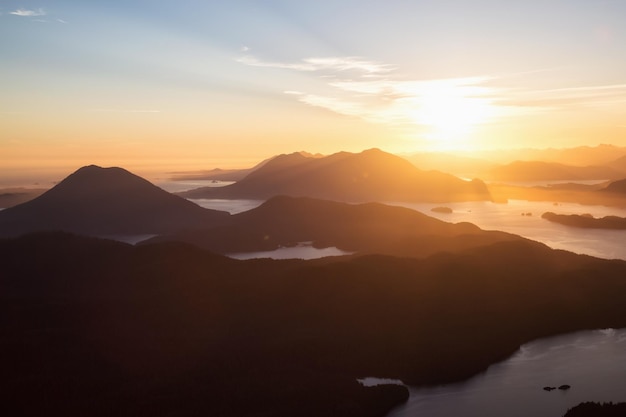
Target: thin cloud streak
[
  {"x": 568, "y": 97},
  {"x": 29, "y": 13},
  {"x": 322, "y": 64}
]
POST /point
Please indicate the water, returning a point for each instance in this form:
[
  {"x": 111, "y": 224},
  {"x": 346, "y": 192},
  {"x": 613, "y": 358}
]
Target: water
[
  {"x": 513, "y": 217},
  {"x": 172, "y": 186},
  {"x": 303, "y": 250},
  {"x": 231, "y": 206},
  {"x": 130, "y": 239},
  {"x": 592, "y": 362}
]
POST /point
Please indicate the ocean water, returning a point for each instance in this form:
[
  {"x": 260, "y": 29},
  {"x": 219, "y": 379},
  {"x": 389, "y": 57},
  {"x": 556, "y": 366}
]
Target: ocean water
[
  {"x": 524, "y": 218},
  {"x": 592, "y": 362}
]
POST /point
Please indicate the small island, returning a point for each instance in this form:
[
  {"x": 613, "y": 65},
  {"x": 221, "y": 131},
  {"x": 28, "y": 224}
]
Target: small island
[{"x": 444, "y": 210}]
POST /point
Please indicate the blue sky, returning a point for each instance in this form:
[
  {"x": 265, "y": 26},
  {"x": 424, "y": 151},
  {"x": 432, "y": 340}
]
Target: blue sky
[{"x": 204, "y": 81}]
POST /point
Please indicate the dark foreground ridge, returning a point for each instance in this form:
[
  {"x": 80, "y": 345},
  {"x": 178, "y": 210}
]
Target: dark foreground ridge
[
  {"x": 97, "y": 328},
  {"x": 590, "y": 409},
  {"x": 106, "y": 201}
]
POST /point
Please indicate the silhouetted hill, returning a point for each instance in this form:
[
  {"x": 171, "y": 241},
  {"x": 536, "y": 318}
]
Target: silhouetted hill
[
  {"x": 619, "y": 164},
  {"x": 106, "y": 201},
  {"x": 98, "y": 328},
  {"x": 590, "y": 409},
  {"x": 587, "y": 221},
  {"x": 578, "y": 156},
  {"x": 371, "y": 175},
  {"x": 550, "y": 171},
  {"x": 617, "y": 187},
  {"x": 457, "y": 164},
  {"x": 368, "y": 227}
]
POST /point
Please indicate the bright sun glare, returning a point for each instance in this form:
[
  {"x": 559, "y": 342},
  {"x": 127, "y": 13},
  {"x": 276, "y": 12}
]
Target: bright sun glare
[{"x": 450, "y": 111}]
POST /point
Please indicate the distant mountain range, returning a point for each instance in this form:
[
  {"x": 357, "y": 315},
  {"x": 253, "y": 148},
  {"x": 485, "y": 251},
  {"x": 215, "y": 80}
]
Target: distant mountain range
[
  {"x": 106, "y": 201},
  {"x": 577, "y": 156},
  {"x": 599, "y": 161},
  {"x": 553, "y": 171},
  {"x": 371, "y": 175}
]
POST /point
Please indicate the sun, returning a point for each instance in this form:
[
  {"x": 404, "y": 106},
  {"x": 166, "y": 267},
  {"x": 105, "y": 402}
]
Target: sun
[{"x": 449, "y": 113}]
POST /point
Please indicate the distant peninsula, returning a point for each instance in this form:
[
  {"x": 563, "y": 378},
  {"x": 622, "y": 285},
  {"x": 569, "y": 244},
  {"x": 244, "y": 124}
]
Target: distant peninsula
[{"x": 587, "y": 221}]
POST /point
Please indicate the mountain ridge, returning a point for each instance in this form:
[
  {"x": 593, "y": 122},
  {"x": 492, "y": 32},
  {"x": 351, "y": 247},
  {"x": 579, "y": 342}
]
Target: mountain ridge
[
  {"x": 363, "y": 228},
  {"x": 371, "y": 175}
]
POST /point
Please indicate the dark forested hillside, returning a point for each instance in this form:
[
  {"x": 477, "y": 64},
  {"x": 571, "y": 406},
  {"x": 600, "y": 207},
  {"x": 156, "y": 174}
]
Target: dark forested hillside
[
  {"x": 93, "y": 327},
  {"x": 363, "y": 228}
]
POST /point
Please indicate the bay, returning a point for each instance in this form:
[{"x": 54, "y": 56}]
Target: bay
[
  {"x": 592, "y": 362},
  {"x": 523, "y": 218}
]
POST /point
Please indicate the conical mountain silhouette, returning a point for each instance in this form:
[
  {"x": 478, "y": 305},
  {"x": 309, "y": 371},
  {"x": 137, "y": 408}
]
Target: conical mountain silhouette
[
  {"x": 371, "y": 175},
  {"x": 105, "y": 201}
]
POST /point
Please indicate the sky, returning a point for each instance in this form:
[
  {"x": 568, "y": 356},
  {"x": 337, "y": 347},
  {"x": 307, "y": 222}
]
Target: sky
[{"x": 228, "y": 83}]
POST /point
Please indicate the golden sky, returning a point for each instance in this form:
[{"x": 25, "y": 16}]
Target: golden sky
[{"x": 205, "y": 84}]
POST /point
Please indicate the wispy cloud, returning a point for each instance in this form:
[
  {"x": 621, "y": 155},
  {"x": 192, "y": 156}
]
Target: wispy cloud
[
  {"x": 29, "y": 13},
  {"x": 571, "y": 97},
  {"x": 339, "y": 64},
  {"x": 375, "y": 92}
]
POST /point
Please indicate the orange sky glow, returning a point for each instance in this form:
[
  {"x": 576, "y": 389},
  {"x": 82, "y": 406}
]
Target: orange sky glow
[{"x": 197, "y": 86}]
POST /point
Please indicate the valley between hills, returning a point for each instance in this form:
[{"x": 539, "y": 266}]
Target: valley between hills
[{"x": 174, "y": 326}]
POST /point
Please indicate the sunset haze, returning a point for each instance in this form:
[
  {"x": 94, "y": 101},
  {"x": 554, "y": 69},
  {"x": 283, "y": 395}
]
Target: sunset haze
[{"x": 202, "y": 84}]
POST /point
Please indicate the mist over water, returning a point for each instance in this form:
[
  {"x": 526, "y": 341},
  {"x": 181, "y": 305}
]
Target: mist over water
[{"x": 179, "y": 186}]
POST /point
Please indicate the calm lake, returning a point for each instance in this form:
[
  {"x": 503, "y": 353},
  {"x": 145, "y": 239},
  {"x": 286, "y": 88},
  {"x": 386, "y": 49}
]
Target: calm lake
[{"x": 593, "y": 363}]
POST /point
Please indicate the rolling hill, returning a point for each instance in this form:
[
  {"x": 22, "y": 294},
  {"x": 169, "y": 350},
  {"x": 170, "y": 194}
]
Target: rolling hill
[{"x": 363, "y": 228}]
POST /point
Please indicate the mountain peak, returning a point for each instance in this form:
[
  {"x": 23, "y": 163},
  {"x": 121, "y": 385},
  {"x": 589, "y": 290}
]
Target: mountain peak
[{"x": 106, "y": 201}]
